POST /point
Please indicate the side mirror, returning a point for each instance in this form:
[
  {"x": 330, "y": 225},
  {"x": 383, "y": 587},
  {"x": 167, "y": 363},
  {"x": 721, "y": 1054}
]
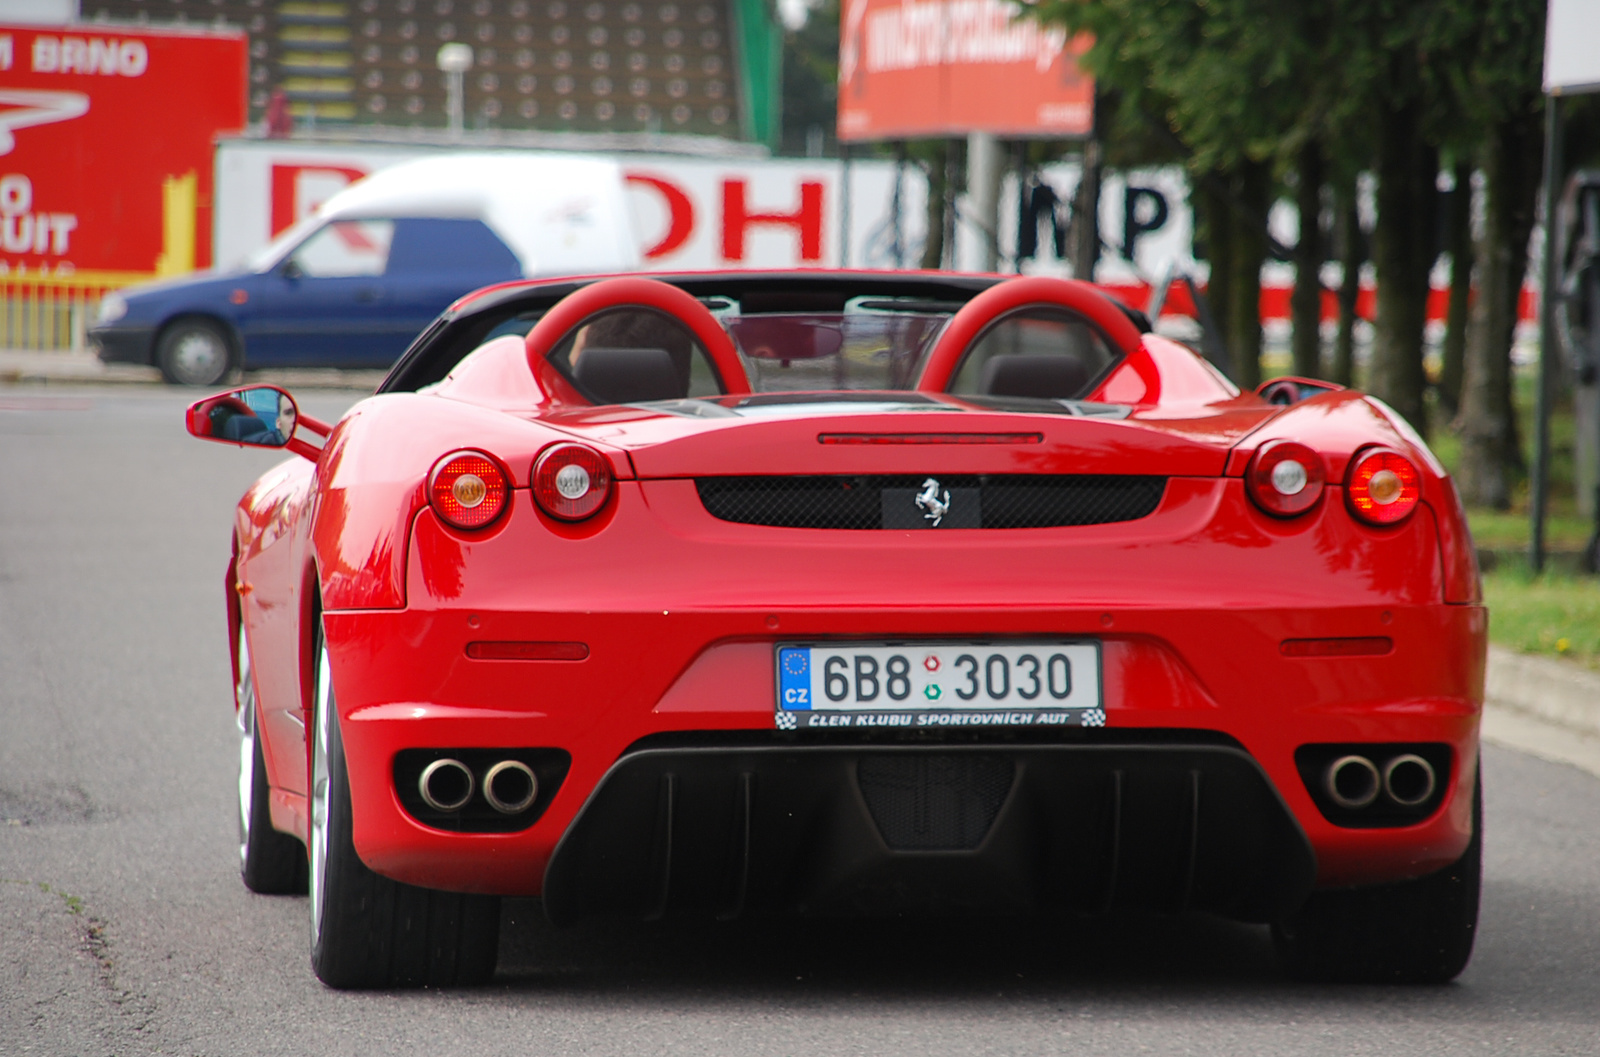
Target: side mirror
[
  {"x": 261, "y": 416},
  {"x": 291, "y": 270},
  {"x": 1291, "y": 389}
]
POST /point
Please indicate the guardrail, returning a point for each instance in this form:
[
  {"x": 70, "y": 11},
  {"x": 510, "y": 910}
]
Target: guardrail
[{"x": 53, "y": 312}]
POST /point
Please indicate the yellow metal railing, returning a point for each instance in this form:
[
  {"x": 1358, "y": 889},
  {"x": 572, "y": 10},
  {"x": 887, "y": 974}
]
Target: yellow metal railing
[{"x": 54, "y": 312}]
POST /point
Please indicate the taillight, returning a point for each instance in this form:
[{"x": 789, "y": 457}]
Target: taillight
[
  {"x": 468, "y": 489},
  {"x": 1383, "y": 487},
  {"x": 1285, "y": 478},
  {"x": 571, "y": 481}
]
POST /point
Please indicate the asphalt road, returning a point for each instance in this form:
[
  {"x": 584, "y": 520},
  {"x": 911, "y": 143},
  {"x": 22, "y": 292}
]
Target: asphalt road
[{"x": 124, "y": 928}]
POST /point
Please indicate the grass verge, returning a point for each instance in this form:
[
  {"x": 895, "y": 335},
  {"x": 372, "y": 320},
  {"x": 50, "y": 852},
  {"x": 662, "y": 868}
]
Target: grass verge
[{"x": 1555, "y": 613}]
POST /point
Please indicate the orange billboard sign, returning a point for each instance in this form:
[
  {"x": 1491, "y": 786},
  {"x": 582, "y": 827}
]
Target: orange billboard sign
[{"x": 911, "y": 68}]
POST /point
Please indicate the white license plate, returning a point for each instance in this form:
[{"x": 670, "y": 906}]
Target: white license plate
[{"x": 939, "y": 684}]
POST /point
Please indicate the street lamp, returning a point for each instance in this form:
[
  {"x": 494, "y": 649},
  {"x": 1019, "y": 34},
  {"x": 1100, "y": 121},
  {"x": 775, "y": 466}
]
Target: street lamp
[{"x": 455, "y": 60}]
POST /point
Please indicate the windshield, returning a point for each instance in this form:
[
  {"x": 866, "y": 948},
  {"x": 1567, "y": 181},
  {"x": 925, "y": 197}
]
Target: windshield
[
  {"x": 860, "y": 348},
  {"x": 866, "y": 343},
  {"x": 267, "y": 258}
]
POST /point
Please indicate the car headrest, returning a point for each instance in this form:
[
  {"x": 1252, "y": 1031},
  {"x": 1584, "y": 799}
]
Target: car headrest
[
  {"x": 628, "y": 376},
  {"x": 1048, "y": 377}
]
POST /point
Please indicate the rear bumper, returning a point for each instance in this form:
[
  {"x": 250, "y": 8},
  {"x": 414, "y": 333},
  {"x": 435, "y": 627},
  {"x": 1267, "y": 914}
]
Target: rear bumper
[
  {"x": 405, "y": 682},
  {"x": 894, "y": 828},
  {"x": 680, "y": 616},
  {"x": 123, "y": 344}
]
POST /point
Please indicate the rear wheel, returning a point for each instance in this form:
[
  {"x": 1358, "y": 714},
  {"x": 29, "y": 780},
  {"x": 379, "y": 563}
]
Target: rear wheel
[
  {"x": 1417, "y": 931},
  {"x": 366, "y": 930},
  {"x": 194, "y": 352},
  {"x": 270, "y": 862}
]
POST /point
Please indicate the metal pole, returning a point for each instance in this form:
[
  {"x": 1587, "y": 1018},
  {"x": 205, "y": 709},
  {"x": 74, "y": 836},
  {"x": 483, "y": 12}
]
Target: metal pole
[
  {"x": 983, "y": 196},
  {"x": 844, "y": 205},
  {"x": 454, "y": 103},
  {"x": 1547, "y": 334}
]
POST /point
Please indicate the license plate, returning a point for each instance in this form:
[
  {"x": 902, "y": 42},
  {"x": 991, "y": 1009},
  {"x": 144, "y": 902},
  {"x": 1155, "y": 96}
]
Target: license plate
[{"x": 939, "y": 684}]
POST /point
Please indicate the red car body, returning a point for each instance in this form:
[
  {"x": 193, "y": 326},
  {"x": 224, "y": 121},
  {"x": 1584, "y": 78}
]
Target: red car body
[{"x": 635, "y": 648}]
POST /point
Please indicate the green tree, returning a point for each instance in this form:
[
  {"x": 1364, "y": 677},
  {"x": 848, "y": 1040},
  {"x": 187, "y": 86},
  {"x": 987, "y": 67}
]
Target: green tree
[
  {"x": 1259, "y": 85},
  {"x": 1502, "y": 93},
  {"x": 1229, "y": 81},
  {"x": 811, "y": 81}
]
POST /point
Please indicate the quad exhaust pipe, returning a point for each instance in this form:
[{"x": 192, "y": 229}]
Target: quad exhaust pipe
[
  {"x": 447, "y": 785},
  {"x": 1354, "y": 782},
  {"x": 1409, "y": 780},
  {"x": 511, "y": 787}
]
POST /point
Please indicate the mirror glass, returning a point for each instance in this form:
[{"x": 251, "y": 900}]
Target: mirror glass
[
  {"x": 1283, "y": 392},
  {"x": 259, "y": 415}
]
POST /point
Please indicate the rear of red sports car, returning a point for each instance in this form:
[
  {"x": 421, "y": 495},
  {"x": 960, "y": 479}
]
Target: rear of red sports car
[{"x": 972, "y": 646}]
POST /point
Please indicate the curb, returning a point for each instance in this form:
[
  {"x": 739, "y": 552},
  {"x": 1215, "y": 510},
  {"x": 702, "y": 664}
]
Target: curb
[
  {"x": 1546, "y": 708},
  {"x": 1553, "y": 691},
  {"x": 22, "y": 367}
]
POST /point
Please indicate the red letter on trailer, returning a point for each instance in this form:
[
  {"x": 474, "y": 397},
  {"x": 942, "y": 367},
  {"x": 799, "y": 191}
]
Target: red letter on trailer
[
  {"x": 286, "y": 205},
  {"x": 737, "y": 218}
]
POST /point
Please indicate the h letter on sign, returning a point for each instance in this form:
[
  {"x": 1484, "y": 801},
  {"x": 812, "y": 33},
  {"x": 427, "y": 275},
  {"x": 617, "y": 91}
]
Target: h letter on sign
[{"x": 737, "y": 220}]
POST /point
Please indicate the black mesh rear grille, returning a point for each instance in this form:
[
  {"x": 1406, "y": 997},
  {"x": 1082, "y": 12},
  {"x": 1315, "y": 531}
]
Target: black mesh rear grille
[
  {"x": 1005, "y": 501},
  {"x": 934, "y": 803}
]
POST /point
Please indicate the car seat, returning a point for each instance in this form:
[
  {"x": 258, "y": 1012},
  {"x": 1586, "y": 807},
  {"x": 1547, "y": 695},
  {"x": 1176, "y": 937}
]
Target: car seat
[
  {"x": 628, "y": 376},
  {"x": 1046, "y": 377}
]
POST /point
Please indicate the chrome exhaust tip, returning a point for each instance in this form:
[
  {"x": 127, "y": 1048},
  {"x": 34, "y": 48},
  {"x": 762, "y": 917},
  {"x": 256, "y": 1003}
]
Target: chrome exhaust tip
[
  {"x": 511, "y": 787},
  {"x": 446, "y": 785},
  {"x": 1409, "y": 780},
  {"x": 1352, "y": 782}
]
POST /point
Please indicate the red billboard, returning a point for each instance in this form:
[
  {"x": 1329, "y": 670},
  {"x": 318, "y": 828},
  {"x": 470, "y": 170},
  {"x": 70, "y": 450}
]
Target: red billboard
[
  {"x": 914, "y": 68},
  {"x": 106, "y": 137}
]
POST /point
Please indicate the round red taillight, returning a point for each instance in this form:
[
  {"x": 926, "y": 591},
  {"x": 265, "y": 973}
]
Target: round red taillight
[
  {"x": 571, "y": 481},
  {"x": 1285, "y": 478},
  {"x": 1383, "y": 486},
  {"x": 468, "y": 489}
]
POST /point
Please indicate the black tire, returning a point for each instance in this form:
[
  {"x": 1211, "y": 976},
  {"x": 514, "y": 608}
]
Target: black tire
[
  {"x": 270, "y": 862},
  {"x": 1414, "y": 932},
  {"x": 370, "y": 931},
  {"x": 196, "y": 352}
]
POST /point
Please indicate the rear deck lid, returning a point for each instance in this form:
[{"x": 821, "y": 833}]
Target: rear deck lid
[{"x": 914, "y": 433}]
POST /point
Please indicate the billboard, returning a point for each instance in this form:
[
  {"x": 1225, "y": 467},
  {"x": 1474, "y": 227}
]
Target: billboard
[
  {"x": 694, "y": 213},
  {"x": 688, "y": 213},
  {"x": 1571, "y": 61},
  {"x": 916, "y": 68},
  {"x": 106, "y": 136}
]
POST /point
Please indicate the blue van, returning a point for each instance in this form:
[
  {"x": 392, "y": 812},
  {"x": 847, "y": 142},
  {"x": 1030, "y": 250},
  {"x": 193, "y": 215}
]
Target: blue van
[{"x": 352, "y": 285}]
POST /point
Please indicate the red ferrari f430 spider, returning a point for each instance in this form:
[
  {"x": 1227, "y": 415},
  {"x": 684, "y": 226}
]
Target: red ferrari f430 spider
[{"x": 849, "y": 593}]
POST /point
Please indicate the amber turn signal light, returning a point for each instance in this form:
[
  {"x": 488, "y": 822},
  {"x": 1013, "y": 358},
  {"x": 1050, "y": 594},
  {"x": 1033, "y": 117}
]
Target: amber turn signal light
[
  {"x": 1383, "y": 487},
  {"x": 571, "y": 481},
  {"x": 468, "y": 489},
  {"x": 1285, "y": 478}
]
